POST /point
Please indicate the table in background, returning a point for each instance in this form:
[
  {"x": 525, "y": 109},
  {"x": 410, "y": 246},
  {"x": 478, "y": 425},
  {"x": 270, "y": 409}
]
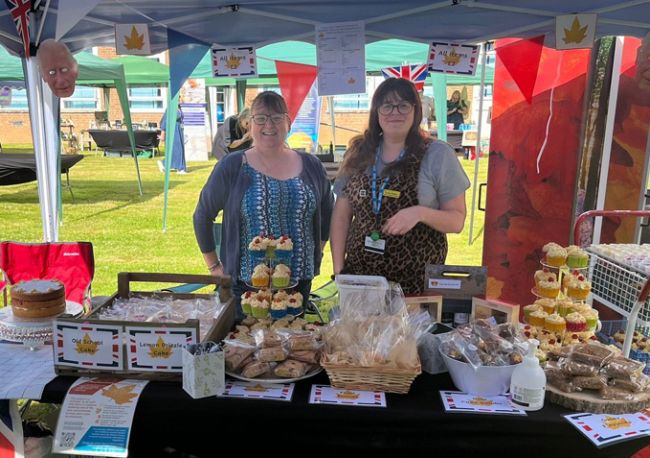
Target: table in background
[
  {"x": 16, "y": 168},
  {"x": 167, "y": 416},
  {"x": 454, "y": 138},
  {"x": 117, "y": 141}
]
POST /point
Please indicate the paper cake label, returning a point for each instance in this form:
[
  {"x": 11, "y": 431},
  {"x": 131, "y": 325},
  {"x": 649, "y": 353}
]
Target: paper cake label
[{"x": 89, "y": 346}]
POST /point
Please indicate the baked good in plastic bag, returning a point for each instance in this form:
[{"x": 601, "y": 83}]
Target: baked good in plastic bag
[
  {"x": 590, "y": 382},
  {"x": 255, "y": 369},
  {"x": 271, "y": 354},
  {"x": 291, "y": 369},
  {"x": 594, "y": 354},
  {"x": 306, "y": 356},
  {"x": 235, "y": 353},
  {"x": 570, "y": 367},
  {"x": 623, "y": 368}
]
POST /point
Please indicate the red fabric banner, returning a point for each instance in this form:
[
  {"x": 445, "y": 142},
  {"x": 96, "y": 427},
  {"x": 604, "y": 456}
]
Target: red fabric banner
[
  {"x": 521, "y": 59},
  {"x": 295, "y": 82}
]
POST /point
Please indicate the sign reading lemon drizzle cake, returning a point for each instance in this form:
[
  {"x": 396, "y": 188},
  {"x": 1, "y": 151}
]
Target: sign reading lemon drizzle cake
[{"x": 37, "y": 298}]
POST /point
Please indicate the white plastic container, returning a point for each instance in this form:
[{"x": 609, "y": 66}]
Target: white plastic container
[
  {"x": 363, "y": 292},
  {"x": 484, "y": 381},
  {"x": 528, "y": 384}
]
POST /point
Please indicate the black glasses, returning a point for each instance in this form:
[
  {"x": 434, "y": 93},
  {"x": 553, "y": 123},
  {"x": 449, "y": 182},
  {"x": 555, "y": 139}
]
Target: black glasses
[
  {"x": 261, "y": 119},
  {"x": 402, "y": 108}
]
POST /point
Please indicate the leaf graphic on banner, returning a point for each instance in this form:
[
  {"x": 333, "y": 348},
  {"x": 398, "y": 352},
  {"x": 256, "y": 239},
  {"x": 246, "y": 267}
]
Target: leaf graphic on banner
[
  {"x": 576, "y": 34},
  {"x": 134, "y": 41},
  {"x": 451, "y": 59},
  {"x": 120, "y": 395}
]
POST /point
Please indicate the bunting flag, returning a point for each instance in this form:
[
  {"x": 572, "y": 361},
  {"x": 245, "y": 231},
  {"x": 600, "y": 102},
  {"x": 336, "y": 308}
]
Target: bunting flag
[
  {"x": 521, "y": 59},
  {"x": 69, "y": 13},
  {"x": 417, "y": 74},
  {"x": 11, "y": 430},
  {"x": 185, "y": 52},
  {"x": 295, "y": 82},
  {"x": 19, "y": 10}
]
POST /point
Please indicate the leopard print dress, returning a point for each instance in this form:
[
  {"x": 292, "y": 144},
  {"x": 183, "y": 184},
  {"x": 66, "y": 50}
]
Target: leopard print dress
[{"x": 405, "y": 256}]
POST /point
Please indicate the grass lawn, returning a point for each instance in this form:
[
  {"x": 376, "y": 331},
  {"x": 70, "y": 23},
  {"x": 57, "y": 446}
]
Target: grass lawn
[{"x": 126, "y": 229}]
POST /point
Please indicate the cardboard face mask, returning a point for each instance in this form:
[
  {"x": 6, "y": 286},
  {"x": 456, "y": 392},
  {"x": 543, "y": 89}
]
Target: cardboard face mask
[{"x": 58, "y": 68}]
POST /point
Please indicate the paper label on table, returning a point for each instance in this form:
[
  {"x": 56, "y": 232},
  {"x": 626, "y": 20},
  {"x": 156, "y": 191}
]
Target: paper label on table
[
  {"x": 325, "y": 394},
  {"x": 96, "y": 417},
  {"x": 455, "y": 401},
  {"x": 156, "y": 349},
  {"x": 607, "y": 429},
  {"x": 254, "y": 390},
  {"x": 88, "y": 346},
  {"x": 443, "y": 283}
]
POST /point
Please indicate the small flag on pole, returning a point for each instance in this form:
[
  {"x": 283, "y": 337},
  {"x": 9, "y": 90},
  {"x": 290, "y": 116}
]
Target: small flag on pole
[
  {"x": 417, "y": 74},
  {"x": 19, "y": 10}
]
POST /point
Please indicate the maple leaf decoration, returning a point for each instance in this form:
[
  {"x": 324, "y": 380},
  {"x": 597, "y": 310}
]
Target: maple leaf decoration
[
  {"x": 451, "y": 59},
  {"x": 575, "y": 34},
  {"x": 120, "y": 395},
  {"x": 135, "y": 41}
]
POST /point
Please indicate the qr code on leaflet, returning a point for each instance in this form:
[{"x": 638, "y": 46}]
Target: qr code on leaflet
[{"x": 67, "y": 439}]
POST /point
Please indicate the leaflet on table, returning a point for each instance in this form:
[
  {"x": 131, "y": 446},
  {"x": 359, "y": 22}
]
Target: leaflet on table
[
  {"x": 455, "y": 401},
  {"x": 608, "y": 429},
  {"x": 96, "y": 417},
  {"x": 325, "y": 394},
  {"x": 255, "y": 390}
]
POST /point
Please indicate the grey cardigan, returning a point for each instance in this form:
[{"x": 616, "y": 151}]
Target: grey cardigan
[{"x": 225, "y": 190}]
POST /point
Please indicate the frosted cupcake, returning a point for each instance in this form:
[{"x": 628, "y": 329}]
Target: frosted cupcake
[
  {"x": 576, "y": 322},
  {"x": 294, "y": 304},
  {"x": 260, "y": 277},
  {"x": 284, "y": 250},
  {"x": 537, "y": 318},
  {"x": 548, "y": 304},
  {"x": 577, "y": 258},
  {"x": 260, "y": 309},
  {"x": 544, "y": 274},
  {"x": 278, "y": 308},
  {"x": 565, "y": 306},
  {"x": 264, "y": 294},
  {"x": 555, "y": 323},
  {"x": 548, "y": 289},
  {"x": 246, "y": 299},
  {"x": 270, "y": 247},
  {"x": 281, "y": 276},
  {"x": 578, "y": 288},
  {"x": 555, "y": 255},
  {"x": 528, "y": 309},
  {"x": 257, "y": 248},
  {"x": 592, "y": 319}
]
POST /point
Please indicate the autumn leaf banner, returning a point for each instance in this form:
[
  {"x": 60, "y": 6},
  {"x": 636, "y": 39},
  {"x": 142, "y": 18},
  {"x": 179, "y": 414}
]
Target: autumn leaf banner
[{"x": 132, "y": 39}]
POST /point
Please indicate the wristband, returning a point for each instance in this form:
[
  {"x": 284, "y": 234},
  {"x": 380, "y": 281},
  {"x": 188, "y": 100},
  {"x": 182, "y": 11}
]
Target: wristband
[{"x": 214, "y": 266}]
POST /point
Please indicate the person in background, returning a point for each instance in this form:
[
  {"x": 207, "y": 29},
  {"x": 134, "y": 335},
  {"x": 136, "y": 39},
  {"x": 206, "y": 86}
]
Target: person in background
[
  {"x": 58, "y": 67},
  {"x": 397, "y": 194},
  {"x": 178, "y": 148},
  {"x": 269, "y": 190},
  {"x": 233, "y": 135},
  {"x": 428, "y": 110},
  {"x": 456, "y": 110}
]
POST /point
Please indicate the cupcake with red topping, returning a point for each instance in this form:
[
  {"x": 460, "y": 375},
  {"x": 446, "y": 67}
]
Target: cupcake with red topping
[
  {"x": 549, "y": 288},
  {"x": 544, "y": 274},
  {"x": 548, "y": 304},
  {"x": 246, "y": 299},
  {"x": 578, "y": 288},
  {"x": 294, "y": 304},
  {"x": 576, "y": 322},
  {"x": 257, "y": 248},
  {"x": 284, "y": 250}
]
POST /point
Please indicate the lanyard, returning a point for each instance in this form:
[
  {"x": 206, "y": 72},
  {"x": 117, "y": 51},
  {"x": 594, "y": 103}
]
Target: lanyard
[{"x": 377, "y": 196}]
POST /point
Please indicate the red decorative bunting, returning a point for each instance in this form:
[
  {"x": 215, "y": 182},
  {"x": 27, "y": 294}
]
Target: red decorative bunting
[
  {"x": 295, "y": 82},
  {"x": 521, "y": 59}
]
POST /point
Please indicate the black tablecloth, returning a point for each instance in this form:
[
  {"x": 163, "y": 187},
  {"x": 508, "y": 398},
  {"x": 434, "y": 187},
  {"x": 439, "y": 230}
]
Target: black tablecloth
[
  {"x": 167, "y": 416},
  {"x": 454, "y": 138},
  {"x": 21, "y": 168},
  {"x": 118, "y": 140}
]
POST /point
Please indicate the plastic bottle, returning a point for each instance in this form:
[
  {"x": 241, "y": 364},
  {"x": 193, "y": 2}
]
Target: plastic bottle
[{"x": 528, "y": 382}]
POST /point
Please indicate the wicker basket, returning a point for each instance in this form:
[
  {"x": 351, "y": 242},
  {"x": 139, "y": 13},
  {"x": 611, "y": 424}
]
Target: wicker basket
[{"x": 389, "y": 380}]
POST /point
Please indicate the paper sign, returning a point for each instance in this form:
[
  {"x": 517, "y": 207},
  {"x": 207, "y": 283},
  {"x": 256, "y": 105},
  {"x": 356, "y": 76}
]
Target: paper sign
[
  {"x": 88, "y": 346},
  {"x": 341, "y": 58},
  {"x": 608, "y": 429},
  {"x": 325, "y": 394},
  {"x": 255, "y": 390},
  {"x": 96, "y": 417},
  {"x": 443, "y": 283},
  {"x": 453, "y": 58},
  {"x": 234, "y": 61},
  {"x": 575, "y": 31},
  {"x": 455, "y": 401},
  {"x": 155, "y": 349},
  {"x": 132, "y": 39}
]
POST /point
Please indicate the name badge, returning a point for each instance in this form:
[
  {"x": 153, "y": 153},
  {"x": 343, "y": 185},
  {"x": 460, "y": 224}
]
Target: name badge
[
  {"x": 375, "y": 246},
  {"x": 362, "y": 193},
  {"x": 392, "y": 193}
]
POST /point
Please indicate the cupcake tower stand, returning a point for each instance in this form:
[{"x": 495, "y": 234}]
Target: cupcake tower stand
[{"x": 271, "y": 261}]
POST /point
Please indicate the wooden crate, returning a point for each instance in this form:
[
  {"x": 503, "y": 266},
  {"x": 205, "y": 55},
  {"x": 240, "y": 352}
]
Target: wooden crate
[
  {"x": 115, "y": 347},
  {"x": 430, "y": 303},
  {"x": 501, "y": 311}
]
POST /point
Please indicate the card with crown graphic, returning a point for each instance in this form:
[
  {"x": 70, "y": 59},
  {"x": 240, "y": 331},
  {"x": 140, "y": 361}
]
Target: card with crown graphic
[
  {"x": 453, "y": 58},
  {"x": 157, "y": 349},
  {"x": 231, "y": 62},
  {"x": 608, "y": 429},
  {"x": 325, "y": 394},
  {"x": 88, "y": 346},
  {"x": 457, "y": 402}
]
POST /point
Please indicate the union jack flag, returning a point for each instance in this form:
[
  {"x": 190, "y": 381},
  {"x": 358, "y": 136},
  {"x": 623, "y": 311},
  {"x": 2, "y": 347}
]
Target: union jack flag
[
  {"x": 414, "y": 73},
  {"x": 11, "y": 430},
  {"x": 20, "y": 14}
]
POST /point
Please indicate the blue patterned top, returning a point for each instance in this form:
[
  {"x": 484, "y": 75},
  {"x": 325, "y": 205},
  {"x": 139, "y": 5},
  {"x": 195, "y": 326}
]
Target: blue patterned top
[{"x": 274, "y": 208}]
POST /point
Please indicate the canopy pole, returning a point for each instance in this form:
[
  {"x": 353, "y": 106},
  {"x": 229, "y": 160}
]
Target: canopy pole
[
  {"x": 241, "y": 95},
  {"x": 478, "y": 143},
  {"x": 330, "y": 102}
]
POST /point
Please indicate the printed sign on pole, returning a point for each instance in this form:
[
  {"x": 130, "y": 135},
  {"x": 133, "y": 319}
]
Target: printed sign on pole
[
  {"x": 233, "y": 62},
  {"x": 453, "y": 58},
  {"x": 132, "y": 39},
  {"x": 574, "y": 31}
]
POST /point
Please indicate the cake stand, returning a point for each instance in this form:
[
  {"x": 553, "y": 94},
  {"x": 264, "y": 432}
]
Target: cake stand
[{"x": 31, "y": 332}]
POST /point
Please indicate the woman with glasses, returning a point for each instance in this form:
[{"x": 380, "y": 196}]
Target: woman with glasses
[
  {"x": 398, "y": 193},
  {"x": 271, "y": 190}
]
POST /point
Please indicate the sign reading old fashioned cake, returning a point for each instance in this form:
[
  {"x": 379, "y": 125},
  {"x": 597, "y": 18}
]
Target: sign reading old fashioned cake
[{"x": 37, "y": 298}]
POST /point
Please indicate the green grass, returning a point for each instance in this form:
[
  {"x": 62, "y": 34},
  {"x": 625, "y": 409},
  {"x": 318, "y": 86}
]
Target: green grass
[{"x": 126, "y": 229}]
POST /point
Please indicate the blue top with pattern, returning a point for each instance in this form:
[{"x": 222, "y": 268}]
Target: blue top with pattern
[{"x": 274, "y": 208}]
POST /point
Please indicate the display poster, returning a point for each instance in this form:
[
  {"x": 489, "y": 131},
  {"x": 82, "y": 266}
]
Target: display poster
[
  {"x": 305, "y": 127},
  {"x": 325, "y": 394},
  {"x": 195, "y": 119},
  {"x": 155, "y": 349},
  {"x": 88, "y": 346},
  {"x": 453, "y": 58},
  {"x": 457, "y": 402},
  {"x": 608, "y": 429},
  {"x": 341, "y": 58},
  {"x": 96, "y": 417},
  {"x": 233, "y": 62}
]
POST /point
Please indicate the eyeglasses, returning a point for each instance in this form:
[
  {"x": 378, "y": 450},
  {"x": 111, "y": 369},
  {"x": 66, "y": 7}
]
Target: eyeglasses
[
  {"x": 261, "y": 119},
  {"x": 402, "y": 108}
]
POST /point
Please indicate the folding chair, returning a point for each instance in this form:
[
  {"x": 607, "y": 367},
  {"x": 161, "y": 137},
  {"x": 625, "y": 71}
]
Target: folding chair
[{"x": 72, "y": 263}]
